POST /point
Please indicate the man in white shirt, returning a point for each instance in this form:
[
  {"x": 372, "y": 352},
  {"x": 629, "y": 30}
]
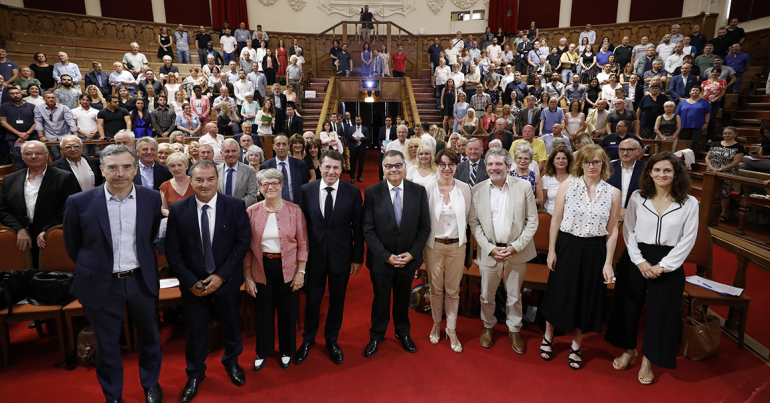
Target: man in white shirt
[
  {"x": 224, "y": 95},
  {"x": 242, "y": 87},
  {"x": 494, "y": 51},
  {"x": 440, "y": 77},
  {"x": 232, "y": 74},
  {"x": 85, "y": 120},
  {"x": 423, "y": 132},
  {"x": 676, "y": 59},
  {"x": 229, "y": 45},
  {"x": 133, "y": 60},
  {"x": 400, "y": 143},
  {"x": 85, "y": 169},
  {"x": 458, "y": 77},
  {"x": 122, "y": 78},
  {"x": 666, "y": 47},
  {"x": 457, "y": 42},
  {"x": 588, "y": 33}
]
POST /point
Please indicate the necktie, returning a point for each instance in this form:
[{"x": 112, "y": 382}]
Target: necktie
[
  {"x": 285, "y": 188},
  {"x": 208, "y": 251},
  {"x": 328, "y": 205},
  {"x": 290, "y": 117},
  {"x": 472, "y": 181},
  {"x": 229, "y": 182},
  {"x": 358, "y": 130},
  {"x": 397, "y": 206}
]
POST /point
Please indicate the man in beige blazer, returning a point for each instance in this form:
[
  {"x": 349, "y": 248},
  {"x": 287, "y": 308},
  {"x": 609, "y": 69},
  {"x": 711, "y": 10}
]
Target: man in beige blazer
[
  {"x": 503, "y": 219},
  {"x": 596, "y": 122}
]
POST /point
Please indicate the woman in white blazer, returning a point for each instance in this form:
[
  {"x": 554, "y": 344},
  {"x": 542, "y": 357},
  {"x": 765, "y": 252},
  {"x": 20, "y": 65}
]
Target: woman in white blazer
[
  {"x": 449, "y": 201},
  {"x": 330, "y": 139}
]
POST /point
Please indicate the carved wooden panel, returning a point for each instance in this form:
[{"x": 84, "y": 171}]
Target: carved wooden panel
[
  {"x": 69, "y": 26},
  {"x": 90, "y": 29}
]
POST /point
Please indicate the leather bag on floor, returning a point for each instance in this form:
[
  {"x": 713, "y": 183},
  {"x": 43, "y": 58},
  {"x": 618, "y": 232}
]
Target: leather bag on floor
[{"x": 701, "y": 336}]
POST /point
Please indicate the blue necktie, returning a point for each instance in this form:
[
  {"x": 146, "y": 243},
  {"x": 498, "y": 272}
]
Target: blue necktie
[
  {"x": 285, "y": 188},
  {"x": 397, "y": 206},
  {"x": 328, "y": 205},
  {"x": 229, "y": 182},
  {"x": 208, "y": 251}
]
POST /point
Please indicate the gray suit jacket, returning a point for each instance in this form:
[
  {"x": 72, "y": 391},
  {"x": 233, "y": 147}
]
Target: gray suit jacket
[
  {"x": 245, "y": 183},
  {"x": 463, "y": 172},
  {"x": 521, "y": 219}
]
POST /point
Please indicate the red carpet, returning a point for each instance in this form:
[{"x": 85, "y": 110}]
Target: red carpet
[{"x": 435, "y": 373}]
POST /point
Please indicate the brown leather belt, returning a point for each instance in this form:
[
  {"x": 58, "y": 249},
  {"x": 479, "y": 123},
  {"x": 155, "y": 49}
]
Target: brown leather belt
[
  {"x": 502, "y": 245},
  {"x": 448, "y": 241},
  {"x": 124, "y": 274},
  {"x": 271, "y": 255}
]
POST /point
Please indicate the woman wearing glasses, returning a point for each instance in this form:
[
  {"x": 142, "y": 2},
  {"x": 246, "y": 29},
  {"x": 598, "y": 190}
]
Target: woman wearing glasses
[
  {"x": 274, "y": 267},
  {"x": 449, "y": 201},
  {"x": 584, "y": 231}
]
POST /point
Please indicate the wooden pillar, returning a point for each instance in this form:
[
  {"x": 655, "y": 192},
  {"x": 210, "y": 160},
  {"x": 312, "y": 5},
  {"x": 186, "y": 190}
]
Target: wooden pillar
[
  {"x": 740, "y": 282},
  {"x": 707, "y": 211},
  {"x": 388, "y": 40},
  {"x": 344, "y": 32},
  {"x": 5, "y": 25}
]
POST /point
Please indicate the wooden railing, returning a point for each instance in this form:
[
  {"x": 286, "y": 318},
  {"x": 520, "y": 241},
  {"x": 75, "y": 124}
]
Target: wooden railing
[
  {"x": 408, "y": 103},
  {"x": 329, "y": 107},
  {"x": 712, "y": 191}
]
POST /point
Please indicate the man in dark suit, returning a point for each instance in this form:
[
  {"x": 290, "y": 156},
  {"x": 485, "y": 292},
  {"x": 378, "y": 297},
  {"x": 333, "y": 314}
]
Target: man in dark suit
[
  {"x": 387, "y": 132},
  {"x": 680, "y": 85},
  {"x": 396, "y": 228},
  {"x": 295, "y": 172},
  {"x": 627, "y": 170},
  {"x": 293, "y": 122},
  {"x": 279, "y": 102},
  {"x": 31, "y": 199},
  {"x": 332, "y": 211},
  {"x": 473, "y": 170},
  {"x": 207, "y": 239},
  {"x": 337, "y": 125},
  {"x": 109, "y": 233},
  {"x": 529, "y": 116},
  {"x": 85, "y": 169},
  {"x": 357, "y": 136},
  {"x": 150, "y": 173},
  {"x": 501, "y": 134},
  {"x": 522, "y": 50},
  {"x": 638, "y": 90},
  {"x": 100, "y": 79},
  {"x": 294, "y": 47}
]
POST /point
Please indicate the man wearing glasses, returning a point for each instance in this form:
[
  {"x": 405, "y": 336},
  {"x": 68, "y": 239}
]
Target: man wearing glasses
[
  {"x": 85, "y": 169},
  {"x": 627, "y": 170},
  {"x": 53, "y": 121},
  {"x": 611, "y": 142}
]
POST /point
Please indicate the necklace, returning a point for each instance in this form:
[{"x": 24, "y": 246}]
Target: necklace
[{"x": 273, "y": 211}]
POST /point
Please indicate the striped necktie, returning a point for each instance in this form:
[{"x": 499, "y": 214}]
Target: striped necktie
[{"x": 472, "y": 180}]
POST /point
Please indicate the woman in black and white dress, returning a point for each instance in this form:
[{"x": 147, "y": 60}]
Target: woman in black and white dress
[
  {"x": 660, "y": 229},
  {"x": 583, "y": 234}
]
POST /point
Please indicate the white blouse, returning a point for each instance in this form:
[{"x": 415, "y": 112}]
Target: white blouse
[
  {"x": 585, "y": 218},
  {"x": 413, "y": 174},
  {"x": 271, "y": 239},
  {"x": 551, "y": 187},
  {"x": 447, "y": 220},
  {"x": 677, "y": 227}
]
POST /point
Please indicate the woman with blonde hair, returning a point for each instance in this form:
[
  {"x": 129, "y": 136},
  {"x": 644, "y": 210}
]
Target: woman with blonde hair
[
  {"x": 470, "y": 124},
  {"x": 97, "y": 100},
  {"x": 193, "y": 152},
  {"x": 581, "y": 140},
  {"x": 453, "y": 141},
  {"x": 164, "y": 150},
  {"x": 228, "y": 121},
  {"x": 425, "y": 171},
  {"x": 179, "y": 186},
  {"x": 177, "y": 103},
  {"x": 439, "y": 135},
  {"x": 411, "y": 157}
]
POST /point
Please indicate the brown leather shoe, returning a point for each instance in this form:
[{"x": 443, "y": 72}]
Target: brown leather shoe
[
  {"x": 517, "y": 342},
  {"x": 486, "y": 337}
]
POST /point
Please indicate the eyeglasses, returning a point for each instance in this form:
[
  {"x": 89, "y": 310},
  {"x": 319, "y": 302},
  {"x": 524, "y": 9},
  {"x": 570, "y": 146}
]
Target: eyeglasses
[
  {"x": 445, "y": 166},
  {"x": 391, "y": 166},
  {"x": 596, "y": 163},
  {"x": 627, "y": 150},
  {"x": 274, "y": 185}
]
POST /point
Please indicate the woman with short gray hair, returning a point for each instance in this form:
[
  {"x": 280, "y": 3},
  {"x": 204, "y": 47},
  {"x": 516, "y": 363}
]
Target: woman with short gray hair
[{"x": 523, "y": 155}]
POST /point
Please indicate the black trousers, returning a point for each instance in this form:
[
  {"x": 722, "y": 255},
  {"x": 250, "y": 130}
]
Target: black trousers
[
  {"x": 107, "y": 320},
  {"x": 401, "y": 286},
  {"x": 315, "y": 286},
  {"x": 664, "y": 298},
  {"x": 195, "y": 311},
  {"x": 357, "y": 155},
  {"x": 270, "y": 75},
  {"x": 274, "y": 296}
]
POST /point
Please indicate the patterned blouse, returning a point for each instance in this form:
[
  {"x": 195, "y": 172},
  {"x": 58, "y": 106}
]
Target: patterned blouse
[
  {"x": 293, "y": 232},
  {"x": 585, "y": 218}
]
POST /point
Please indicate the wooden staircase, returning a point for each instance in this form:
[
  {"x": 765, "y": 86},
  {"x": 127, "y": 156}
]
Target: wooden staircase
[
  {"x": 425, "y": 97},
  {"x": 311, "y": 109}
]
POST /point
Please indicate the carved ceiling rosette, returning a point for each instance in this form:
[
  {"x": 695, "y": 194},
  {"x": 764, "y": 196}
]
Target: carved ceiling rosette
[
  {"x": 345, "y": 8},
  {"x": 436, "y": 5},
  {"x": 268, "y": 2},
  {"x": 296, "y": 5},
  {"x": 464, "y": 4}
]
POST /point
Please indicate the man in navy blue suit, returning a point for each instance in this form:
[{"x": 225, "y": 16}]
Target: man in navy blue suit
[
  {"x": 108, "y": 233},
  {"x": 207, "y": 239},
  {"x": 627, "y": 170},
  {"x": 150, "y": 174},
  {"x": 634, "y": 90},
  {"x": 332, "y": 211},
  {"x": 294, "y": 170},
  {"x": 681, "y": 85},
  {"x": 100, "y": 79},
  {"x": 357, "y": 136}
]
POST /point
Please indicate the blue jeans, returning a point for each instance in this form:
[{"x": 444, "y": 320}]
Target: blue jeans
[
  {"x": 18, "y": 162},
  {"x": 229, "y": 57},
  {"x": 566, "y": 76},
  {"x": 183, "y": 55},
  {"x": 737, "y": 85}
]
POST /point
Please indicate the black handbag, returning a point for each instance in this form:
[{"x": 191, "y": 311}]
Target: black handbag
[
  {"x": 50, "y": 288},
  {"x": 14, "y": 287}
]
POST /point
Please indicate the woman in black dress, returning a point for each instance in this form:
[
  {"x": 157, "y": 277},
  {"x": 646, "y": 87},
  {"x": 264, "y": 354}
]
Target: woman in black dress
[
  {"x": 650, "y": 107},
  {"x": 660, "y": 229},
  {"x": 592, "y": 95},
  {"x": 533, "y": 32},
  {"x": 587, "y": 64},
  {"x": 165, "y": 41},
  {"x": 312, "y": 158},
  {"x": 448, "y": 97},
  {"x": 43, "y": 72},
  {"x": 500, "y": 37}
]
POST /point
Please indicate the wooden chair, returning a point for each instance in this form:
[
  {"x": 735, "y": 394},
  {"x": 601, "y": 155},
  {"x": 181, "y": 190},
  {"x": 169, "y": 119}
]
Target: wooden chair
[
  {"x": 536, "y": 277},
  {"x": 12, "y": 260},
  {"x": 702, "y": 256}
]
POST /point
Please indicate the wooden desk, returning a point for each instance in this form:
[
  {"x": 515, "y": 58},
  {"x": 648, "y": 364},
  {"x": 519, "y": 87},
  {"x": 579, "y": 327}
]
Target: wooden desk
[{"x": 666, "y": 145}]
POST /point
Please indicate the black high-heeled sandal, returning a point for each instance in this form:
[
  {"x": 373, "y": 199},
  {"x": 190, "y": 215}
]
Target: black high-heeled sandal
[
  {"x": 546, "y": 343},
  {"x": 571, "y": 361}
]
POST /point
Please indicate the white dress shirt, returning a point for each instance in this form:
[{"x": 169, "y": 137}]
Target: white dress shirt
[
  {"x": 448, "y": 217},
  {"x": 122, "y": 215},
  {"x": 397, "y": 145},
  {"x": 498, "y": 206},
  {"x": 625, "y": 180},
  {"x": 288, "y": 171},
  {"x": 322, "y": 195},
  {"x": 211, "y": 213},
  {"x": 31, "y": 189},
  {"x": 83, "y": 173},
  {"x": 442, "y": 74},
  {"x": 429, "y": 140},
  {"x": 400, "y": 192}
]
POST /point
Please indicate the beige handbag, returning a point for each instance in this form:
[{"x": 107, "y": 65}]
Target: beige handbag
[{"x": 701, "y": 336}]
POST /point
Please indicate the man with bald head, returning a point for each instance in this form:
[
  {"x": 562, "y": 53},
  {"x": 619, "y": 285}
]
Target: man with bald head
[{"x": 627, "y": 170}]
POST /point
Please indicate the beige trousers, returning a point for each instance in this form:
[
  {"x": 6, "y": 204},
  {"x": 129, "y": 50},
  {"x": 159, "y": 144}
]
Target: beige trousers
[
  {"x": 512, "y": 275},
  {"x": 444, "y": 265}
]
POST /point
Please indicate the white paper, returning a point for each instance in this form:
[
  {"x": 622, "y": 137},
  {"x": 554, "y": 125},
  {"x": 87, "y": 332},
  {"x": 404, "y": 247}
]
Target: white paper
[
  {"x": 162, "y": 228},
  {"x": 718, "y": 288},
  {"x": 169, "y": 282}
]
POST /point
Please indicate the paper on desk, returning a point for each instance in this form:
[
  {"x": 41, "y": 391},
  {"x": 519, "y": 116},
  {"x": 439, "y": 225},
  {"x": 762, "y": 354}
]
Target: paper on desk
[
  {"x": 718, "y": 288},
  {"x": 169, "y": 282}
]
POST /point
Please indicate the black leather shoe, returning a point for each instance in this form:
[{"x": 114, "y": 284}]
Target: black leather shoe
[
  {"x": 191, "y": 389},
  {"x": 284, "y": 366},
  {"x": 336, "y": 352},
  {"x": 113, "y": 400},
  {"x": 260, "y": 366},
  {"x": 371, "y": 348},
  {"x": 303, "y": 352},
  {"x": 153, "y": 395},
  {"x": 237, "y": 376},
  {"x": 360, "y": 180},
  {"x": 407, "y": 343}
]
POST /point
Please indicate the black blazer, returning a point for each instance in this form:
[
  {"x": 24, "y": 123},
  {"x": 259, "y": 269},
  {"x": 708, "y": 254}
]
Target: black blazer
[
  {"x": 299, "y": 172},
  {"x": 390, "y": 135},
  {"x": 521, "y": 120},
  {"x": 638, "y": 95},
  {"x": 352, "y": 141},
  {"x": 617, "y": 178},
  {"x": 232, "y": 236},
  {"x": 463, "y": 172},
  {"x": 293, "y": 52},
  {"x": 280, "y": 114},
  {"x": 507, "y": 139},
  {"x": 63, "y": 164},
  {"x": 343, "y": 237},
  {"x": 523, "y": 49},
  {"x": 296, "y": 126},
  {"x": 275, "y": 62},
  {"x": 160, "y": 174},
  {"x": 105, "y": 88},
  {"x": 384, "y": 238},
  {"x": 339, "y": 128},
  {"x": 56, "y": 187},
  {"x": 88, "y": 241}
]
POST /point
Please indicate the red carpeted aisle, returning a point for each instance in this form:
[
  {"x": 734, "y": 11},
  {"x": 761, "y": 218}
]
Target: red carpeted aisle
[{"x": 435, "y": 373}]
